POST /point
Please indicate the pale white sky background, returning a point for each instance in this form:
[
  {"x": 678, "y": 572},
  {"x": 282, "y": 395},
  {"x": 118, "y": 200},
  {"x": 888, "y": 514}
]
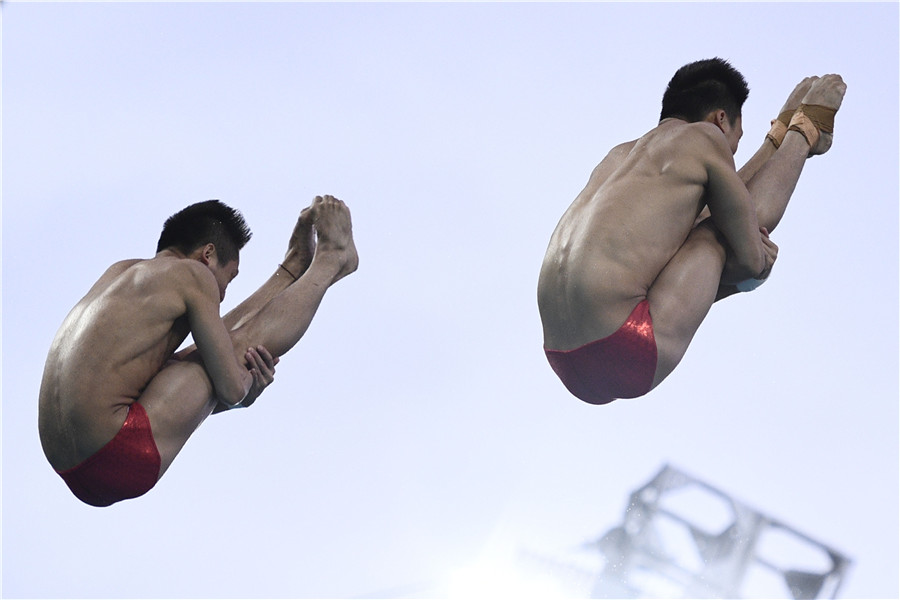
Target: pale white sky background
[{"x": 419, "y": 413}]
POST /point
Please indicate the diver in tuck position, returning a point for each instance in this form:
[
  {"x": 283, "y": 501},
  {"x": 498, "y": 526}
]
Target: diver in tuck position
[
  {"x": 666, "y": 226},
  {"x": 117, "y": 403}
]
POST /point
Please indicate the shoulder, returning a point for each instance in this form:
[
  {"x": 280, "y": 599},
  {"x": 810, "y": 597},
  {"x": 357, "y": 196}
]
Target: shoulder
[
  {"x": 185, "y": 277},
  {"x": 120, "y": 267},
  {"x": 191, "y": 274},
  {"x": 682, "y": 131},
  {"x": 706, "y": 136},
  {"x": 702, "y": 143},
  {"x": 183, "y": 285}
]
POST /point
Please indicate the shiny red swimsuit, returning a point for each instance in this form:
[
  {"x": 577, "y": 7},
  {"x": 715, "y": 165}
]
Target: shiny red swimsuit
[
  {"x": 126, "y": 467},
  {"x": 621, "y": 365}
]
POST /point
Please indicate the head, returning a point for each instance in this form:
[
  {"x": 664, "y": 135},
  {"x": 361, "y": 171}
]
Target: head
[
  {"x": 210, "y": 232},
  {"x": 708, "y": 90}
]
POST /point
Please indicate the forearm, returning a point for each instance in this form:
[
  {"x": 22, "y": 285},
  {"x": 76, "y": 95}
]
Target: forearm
[
  {"x": 749, "y": 258},
  {"x": 222, "y": 404},
  {"x": 740, "y": 230},
  {"x": 231, "y": 386},
  {"x": 230, "y": 378},
  {"x": 734, "y": 271},
  {"x": 734, "y": 215}
]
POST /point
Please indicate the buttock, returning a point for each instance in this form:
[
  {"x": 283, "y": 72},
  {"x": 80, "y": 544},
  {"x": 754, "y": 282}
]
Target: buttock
[
  {"x": 126, "y": 467},
  {"x": 621, "y": 365}
]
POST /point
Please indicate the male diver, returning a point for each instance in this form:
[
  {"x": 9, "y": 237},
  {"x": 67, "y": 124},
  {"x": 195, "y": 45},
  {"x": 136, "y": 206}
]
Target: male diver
[
  {"x": 666, "y": 226},
  {"x": 117, "y": 403}
]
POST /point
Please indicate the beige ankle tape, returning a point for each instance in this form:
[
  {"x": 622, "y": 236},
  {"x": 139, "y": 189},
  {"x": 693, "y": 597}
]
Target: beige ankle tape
[
  {"x": 805, "y": 127},
  {"x": 821, "y": 116},
  {"x": 779, "y": 128},
  {"x": 777, "y": 133}
]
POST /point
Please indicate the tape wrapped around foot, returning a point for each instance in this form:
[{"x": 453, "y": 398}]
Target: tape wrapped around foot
[
  {"x": 805, "y": 127},
  {"x": 811, "y": 120},
  {"x": 821, "y": 116},
  {"x": 780, "y": 128}
]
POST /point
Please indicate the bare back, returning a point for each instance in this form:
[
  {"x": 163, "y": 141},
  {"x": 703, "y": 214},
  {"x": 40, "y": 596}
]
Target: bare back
[
  {"x": 108, "y": 348},
  {"x": 636, "y": 211}
]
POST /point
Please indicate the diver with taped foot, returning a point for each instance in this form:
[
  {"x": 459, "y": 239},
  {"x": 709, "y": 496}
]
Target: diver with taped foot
[
  {"x": 667, "y": 225},
  {"x": 117, "y": 403}
]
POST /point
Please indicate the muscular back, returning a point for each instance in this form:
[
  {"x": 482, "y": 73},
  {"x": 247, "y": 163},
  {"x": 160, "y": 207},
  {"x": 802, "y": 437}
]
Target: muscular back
[
  {"x": 636, "y": 211},
  {"x": 106, "y": 351}
]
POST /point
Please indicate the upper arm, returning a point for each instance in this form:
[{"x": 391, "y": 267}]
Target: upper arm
[
  {"x": 726, "y": 195},
  {"x": 201, "y": 297},
  {"x": 729, "y": 200}
]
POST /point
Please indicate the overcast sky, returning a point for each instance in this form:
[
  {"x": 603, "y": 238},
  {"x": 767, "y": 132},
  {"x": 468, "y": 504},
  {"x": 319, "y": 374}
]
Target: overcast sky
[{"x": 418, "y": 420}]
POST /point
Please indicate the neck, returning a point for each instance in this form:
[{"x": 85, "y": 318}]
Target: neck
[{"x": 170, "y": 253}]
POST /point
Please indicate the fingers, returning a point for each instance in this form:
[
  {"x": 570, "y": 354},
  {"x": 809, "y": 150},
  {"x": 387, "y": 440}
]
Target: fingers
[
  {"x": 770, "y": 250},
  {"x": 259, "y": 380},
  {"x": 261, "y": 364},
  {"x": 267, "y": 356}
]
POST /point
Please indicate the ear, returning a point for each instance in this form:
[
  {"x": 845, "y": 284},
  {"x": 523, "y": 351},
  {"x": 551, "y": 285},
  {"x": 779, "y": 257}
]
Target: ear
[
  {"x": 208, "y": 253},
  {"x": 722, "y": 118},
  {"x": 719, "y": 118}
]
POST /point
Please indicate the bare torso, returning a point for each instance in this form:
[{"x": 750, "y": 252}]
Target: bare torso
[
  {"x": 106, "y": 351},
  {"x": 636, "y": 211}
]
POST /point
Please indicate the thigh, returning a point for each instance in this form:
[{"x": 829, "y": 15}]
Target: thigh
[
  {"x": 682, "y": 294},
  {"x": 177, "y": 400}
]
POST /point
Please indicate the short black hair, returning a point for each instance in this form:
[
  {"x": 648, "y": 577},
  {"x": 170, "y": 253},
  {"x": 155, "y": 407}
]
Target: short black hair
[
  {"x": 204, "y": 223},
  {"x": 701, "y": 87}
]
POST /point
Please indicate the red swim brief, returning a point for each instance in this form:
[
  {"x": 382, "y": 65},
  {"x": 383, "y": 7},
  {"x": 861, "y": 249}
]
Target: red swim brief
[
  {"x": 126, "y": 467},
  {"x": 621, "y": 365}
]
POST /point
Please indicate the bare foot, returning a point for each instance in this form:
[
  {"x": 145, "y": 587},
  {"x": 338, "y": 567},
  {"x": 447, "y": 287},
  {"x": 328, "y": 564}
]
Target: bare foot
[
  {"x": 828, "y": 91},
  {"x": 797, "y": 95},
  {"x": 335, "y": 234},
  {"x": 302, "y": 245}
]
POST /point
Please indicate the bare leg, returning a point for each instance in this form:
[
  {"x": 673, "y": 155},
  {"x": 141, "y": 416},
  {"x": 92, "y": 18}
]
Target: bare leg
[
  {"x": 772, "y": 186},
  {"x": 177, "y": 401},
  {"x": 281, "y": 323},
  {"x": 772, "y": 181},
  {"x": 682, "y": 295},
  {"x": 301, "y": 249},
  {"x": 759, "y": 173},
  {"x": 767, "y": 150},
  {"x": 181, "y": 396}
]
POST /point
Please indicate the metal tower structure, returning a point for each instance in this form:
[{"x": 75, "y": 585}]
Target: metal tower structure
[{"x": 681, "y": 537}]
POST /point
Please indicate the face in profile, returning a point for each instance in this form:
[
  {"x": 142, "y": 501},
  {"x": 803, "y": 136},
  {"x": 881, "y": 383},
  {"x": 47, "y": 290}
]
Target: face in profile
[
  {"x": 224, "y": 273},
  {"x": 733, "y": 133}
]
